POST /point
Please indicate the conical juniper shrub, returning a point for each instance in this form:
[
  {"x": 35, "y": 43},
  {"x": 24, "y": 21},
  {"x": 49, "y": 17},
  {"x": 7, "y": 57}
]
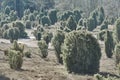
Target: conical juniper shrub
[
  {"x": 117, "y": 53},
  {"x": 81, "y": 53},
  {"x": 109, "y": 44},
  {"x": 57, "y": 41}
]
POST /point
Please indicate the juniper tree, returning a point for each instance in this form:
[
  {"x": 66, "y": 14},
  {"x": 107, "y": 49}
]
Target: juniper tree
[
  {"x": 57, "y": 40},
  {"x": 81, "y": 52},
  {"x": 109, "y": 45},
  {"x": 53, "y": 16},
  {"x": 71, "y": 24}
]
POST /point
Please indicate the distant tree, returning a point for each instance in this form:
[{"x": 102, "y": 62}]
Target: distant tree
[
  {"x": 91, "y": 24},
  {"x": 43, "y": 48},
  {"x": 66, "y": 15},
  {"x": 45, "y": 20},
  {"x": 94, "y": 16},
  {"x": 80, "y": 22},
  {"x": 7, "y": 10},
  {"x": 109, "y": 45},
  {"x": 101, "y": 15},
  {"x": 77, "y": 15},
  {"x": 13, "y": 15},
  {"x": 57, "y": 41},
  {"x": 71, "y": 24},
  {"x": 13, "y": 34},
  {"x": 53, "y": 16},
  {"x": 28, "y": 24},
  {"x": 104, "y": 25},
  {"x": 31, "y": 17},
  {"x": 19, "y": 7},
  {"x": 21, "y": 27}
]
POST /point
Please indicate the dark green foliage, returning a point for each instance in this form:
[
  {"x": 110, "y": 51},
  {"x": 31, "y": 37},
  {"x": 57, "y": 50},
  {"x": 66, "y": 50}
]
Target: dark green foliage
[
  {"x": 111, "y": 20},
  {"x": 91, "y": 24},
  {"x": 28, "y": 24},
  {"x": 109, "y": 45},
  {"x": 15, "y": 59},
  {"x": 100, "y": 16},
  {"x": 4, "y": 28},
  {"x": 38, "y": 33},
  {"x": 7, "y": 10},
  {"x": 71, "y": 24},
  {"x": 104, "y": 25},
  {"x": 53, "y": 16},
  {"x": 21, "y": 28},
  {"x": 39, "y": 36},
  {"x": 47, "y": 37},
  {"x": 57, "y": 41},
  {"x": 101, "y": 35},
  {"x": 19, "y": 7},
  {"x": 31, "y": 17},
  {"x": 66, "y": 15},
  {"x": 80, "y": 22},
  {"x": 5, "y": 35},
  {"x": 81, "y": 52},
  {"x": 13, "y": 16},
  {"x": 35, "y": 13},
  {"x": 12, "y": 34},
  {"x": 3, "y": 22},
  {"x": 117, "y": 30},
  {"x": 117, "y": 53},
  {"x": 45, "y": 20},
  {"x": 94, "y": 16},
  {"x": 43, "y": 48},
  {"x": 77, "y": 15}
]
